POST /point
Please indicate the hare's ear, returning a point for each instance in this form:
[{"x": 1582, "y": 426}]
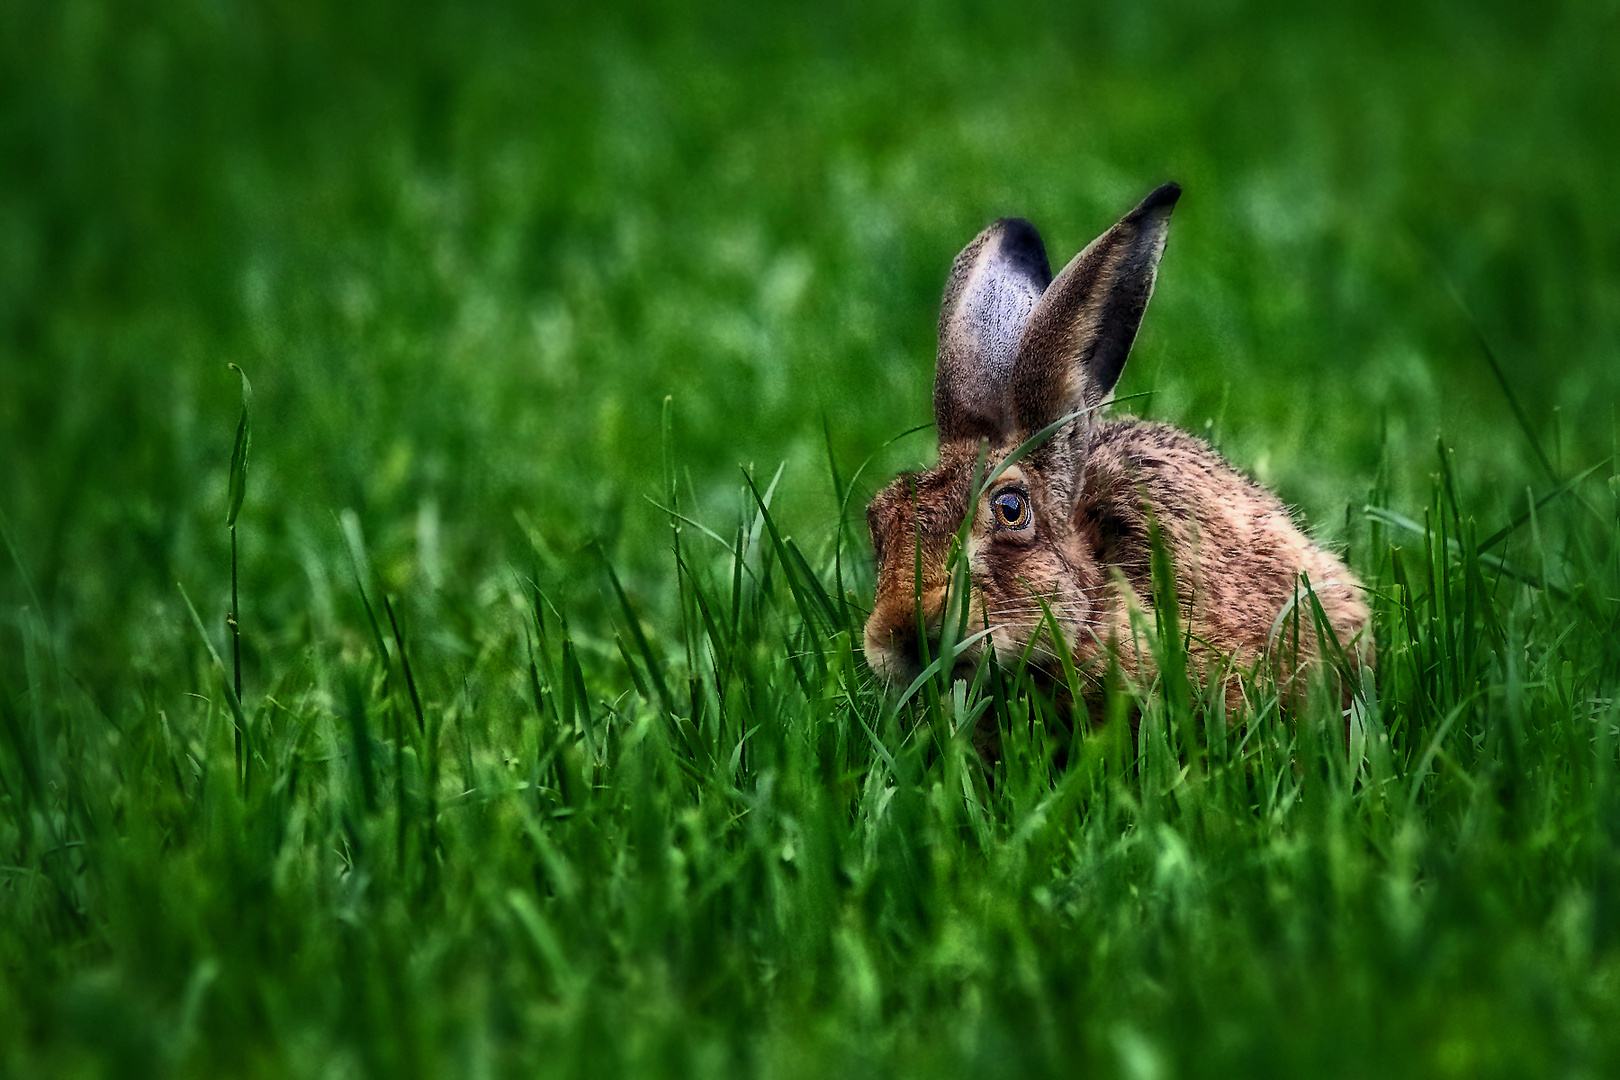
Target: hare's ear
[
  {"x": 993, "y": 287},
  {"x": 1075, "y": 343}
]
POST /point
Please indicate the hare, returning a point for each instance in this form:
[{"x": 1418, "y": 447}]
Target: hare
[{"x": 1063, "y": 532}]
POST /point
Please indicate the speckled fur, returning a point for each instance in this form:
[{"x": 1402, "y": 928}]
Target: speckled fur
[{"x": 1095, "y": 490}]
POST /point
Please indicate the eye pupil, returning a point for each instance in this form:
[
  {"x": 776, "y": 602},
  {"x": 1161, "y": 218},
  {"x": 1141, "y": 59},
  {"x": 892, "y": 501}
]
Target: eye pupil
[{"x": 1012, "y": 509}]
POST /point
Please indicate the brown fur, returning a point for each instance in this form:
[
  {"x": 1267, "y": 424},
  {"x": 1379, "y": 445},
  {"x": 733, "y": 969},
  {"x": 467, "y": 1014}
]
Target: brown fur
[{"x": 1096, "y": 489}]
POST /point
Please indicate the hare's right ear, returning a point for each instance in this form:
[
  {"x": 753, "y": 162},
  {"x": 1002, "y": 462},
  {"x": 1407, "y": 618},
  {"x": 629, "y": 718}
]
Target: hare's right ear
[
  {"x": 1078, "y": 337},
  {"x": 993, "y": 287}
]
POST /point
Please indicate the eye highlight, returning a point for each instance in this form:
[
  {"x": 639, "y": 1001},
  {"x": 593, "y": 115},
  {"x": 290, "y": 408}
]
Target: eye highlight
[{"x": 1011, "y": 509}]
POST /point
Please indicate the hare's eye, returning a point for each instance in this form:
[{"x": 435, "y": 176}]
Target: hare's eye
[{"x": 1012, "y": 509}]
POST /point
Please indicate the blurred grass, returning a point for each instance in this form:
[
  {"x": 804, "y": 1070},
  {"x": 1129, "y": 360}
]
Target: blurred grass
[{"x": 465, "y": 254}]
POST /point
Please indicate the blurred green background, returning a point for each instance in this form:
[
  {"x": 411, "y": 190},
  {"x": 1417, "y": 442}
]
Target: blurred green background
[{"x": 464, "y": 252}]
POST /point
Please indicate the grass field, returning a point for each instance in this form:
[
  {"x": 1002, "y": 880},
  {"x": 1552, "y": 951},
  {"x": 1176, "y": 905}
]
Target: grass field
[{"x": 574, "y": 338}]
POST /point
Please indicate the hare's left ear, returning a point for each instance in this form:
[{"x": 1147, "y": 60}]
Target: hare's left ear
[
  {"x": 1077, "y": 338},
  {"x": 994, "y": 285}
]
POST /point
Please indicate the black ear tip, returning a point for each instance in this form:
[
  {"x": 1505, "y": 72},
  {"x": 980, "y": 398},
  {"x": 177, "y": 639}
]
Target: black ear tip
[
  {"x": 1021, "y": 242},
  {"x": 1018, "y": 231},
  {"x": 1019, "y": 235},
  {"x": 1160, "y": 202}
]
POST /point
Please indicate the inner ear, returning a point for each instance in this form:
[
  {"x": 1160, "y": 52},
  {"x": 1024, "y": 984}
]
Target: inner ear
[
  {"x": 1075, "y": 342},
  {"x": 994, "y": 286}
]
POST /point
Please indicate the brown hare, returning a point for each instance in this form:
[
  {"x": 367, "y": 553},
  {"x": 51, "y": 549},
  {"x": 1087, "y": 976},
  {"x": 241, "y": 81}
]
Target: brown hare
[{"x": 1062, "y": 533}]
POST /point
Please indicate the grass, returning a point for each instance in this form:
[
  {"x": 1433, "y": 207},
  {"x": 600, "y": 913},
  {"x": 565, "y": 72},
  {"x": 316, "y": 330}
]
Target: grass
[{"x": 557, "y": 751}]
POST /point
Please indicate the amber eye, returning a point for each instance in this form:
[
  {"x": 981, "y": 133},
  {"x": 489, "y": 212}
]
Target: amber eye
[{"x": 1012, "y": 509}]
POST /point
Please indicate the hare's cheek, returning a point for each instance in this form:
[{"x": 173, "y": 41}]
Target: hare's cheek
[
  {"x": 1009, "y": 642},
  {"x": 1002, "y": 644},
  {"x": 1013, "y": 574},
  {"x": 979, "y": 610},
  {"x": 978, "y": 556}
]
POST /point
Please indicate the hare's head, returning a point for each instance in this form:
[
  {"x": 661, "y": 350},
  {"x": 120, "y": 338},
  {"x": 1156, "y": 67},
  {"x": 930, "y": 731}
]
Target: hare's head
[{"x": 1024, "y": 363}]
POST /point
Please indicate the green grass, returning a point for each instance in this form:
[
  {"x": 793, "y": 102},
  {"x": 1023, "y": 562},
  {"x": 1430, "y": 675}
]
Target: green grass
[{"x": 558, "y": 753}]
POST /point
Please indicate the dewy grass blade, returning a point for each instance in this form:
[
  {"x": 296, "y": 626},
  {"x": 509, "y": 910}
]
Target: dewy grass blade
[
  {"x": 840, "y": 494},
  {"x": 692, "y": 522},
  {"x": 1061, "y": 648},
  {"x": 1168, "y": 645},
  {"x": 1421, "y": 771},
  {"x": 1328, "y": 640},
  {"x": 1520, "y": 416},
  {"x": 1563, "y": 489},
  {"x": 360, "y": 566},
  {"x": 361, "y": 747},
  {"x": 639, "y": 636},
  {"x": 27, "y": 753},
  {"x": 935, "y": 666},
  {"x": 245, "y": 756},
  {"x": 792, "y": 556},
  {"x": 239, "y": 453},
  {"x": 1027, "y": 447},
  {"x": 855, "y": 478},
  {"x": 807, "y": 591},
  {"x": 1502, "y": 566},
  {"x": 877, "y": 745},
  {"x": 405, "y": 664},
  {"x": 22, "y": 569},
  {"x": 721, "y": 650},
  {"x": 237, "y": 492}
]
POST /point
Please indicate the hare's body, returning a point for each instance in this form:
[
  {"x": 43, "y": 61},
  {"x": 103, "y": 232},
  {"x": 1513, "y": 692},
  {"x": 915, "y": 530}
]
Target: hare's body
[
  {"x": 1063, "y": 532},
  {"x": 1240, "y": 561}
]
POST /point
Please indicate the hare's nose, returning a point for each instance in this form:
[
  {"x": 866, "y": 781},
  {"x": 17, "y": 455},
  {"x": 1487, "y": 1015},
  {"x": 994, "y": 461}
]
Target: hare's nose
[
  {"x": 895, "y": 642},
  {"x": 904, "y": 638}
]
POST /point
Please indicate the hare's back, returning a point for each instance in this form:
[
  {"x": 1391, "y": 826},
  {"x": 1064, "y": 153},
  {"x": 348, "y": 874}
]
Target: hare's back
[{"x": 1237, "y": 552}]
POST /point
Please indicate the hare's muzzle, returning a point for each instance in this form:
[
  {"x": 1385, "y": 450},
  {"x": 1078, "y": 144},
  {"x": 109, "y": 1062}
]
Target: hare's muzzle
[{"x": 895, "y": 649}]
